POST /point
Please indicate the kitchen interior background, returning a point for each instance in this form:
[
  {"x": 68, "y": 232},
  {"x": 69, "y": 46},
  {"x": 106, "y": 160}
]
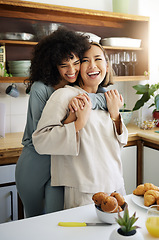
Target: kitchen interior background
[{"x": 16, "y": 108}]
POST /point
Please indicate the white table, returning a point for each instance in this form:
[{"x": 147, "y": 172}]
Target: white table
[{"x": 46, "y": 227}]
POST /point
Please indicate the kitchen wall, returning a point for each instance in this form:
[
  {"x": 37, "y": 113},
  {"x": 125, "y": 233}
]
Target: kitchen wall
[{"x": 16, "y": 108}]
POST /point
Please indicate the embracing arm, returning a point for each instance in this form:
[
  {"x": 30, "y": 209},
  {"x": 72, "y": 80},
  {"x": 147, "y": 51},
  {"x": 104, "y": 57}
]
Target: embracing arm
[
  {"x": 39, "y": 95},
  {"x": 55, "y": 134},
  {"x": 80, "y": 117},
  {"x": 52, "y": 136},
  {"x": 115, "y": 102},
  {"x": 98, "y": 101}
]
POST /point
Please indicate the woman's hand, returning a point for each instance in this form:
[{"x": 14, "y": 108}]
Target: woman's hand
[
  {"x": 114, "y": 102},
  {"x": 84, "y": 113},
  {"x": 77, "y": 102},
  {"x": 80, "y": 107},
  {"x": 71, "y": 118}
]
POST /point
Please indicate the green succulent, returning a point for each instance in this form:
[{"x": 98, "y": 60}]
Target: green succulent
[{"x": 127, "y": 222}]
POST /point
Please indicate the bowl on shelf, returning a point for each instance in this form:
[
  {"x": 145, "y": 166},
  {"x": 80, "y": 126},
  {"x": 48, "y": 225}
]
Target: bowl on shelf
[
  {"x": 91, "y": 36},
  {"x": 126, "y": 115},
  {"x": 19, "y": 68},
  {"x": 44, "y": 29}
]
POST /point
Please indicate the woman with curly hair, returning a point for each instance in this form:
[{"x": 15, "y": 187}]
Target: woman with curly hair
[
  {"x": 33, "y": 169},
  {"x": 46, "y": 75},
  {"x": 85, "y": 146}
]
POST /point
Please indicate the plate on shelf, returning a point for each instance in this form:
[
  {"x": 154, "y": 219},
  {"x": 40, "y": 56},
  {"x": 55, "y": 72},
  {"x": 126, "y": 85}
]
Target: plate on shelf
[
  {"x": 17, "y": 36},
  {"x": 139, "y": 200},
  {"x": 121, "y": 42}
]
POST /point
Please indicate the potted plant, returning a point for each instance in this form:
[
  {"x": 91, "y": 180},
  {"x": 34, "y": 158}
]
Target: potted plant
[
  {"x": 126, "y": 114},
  {"x": 3, "y": 72},
  {"x": 126, "y": 227},
  {"x": 148, "y": 91}
]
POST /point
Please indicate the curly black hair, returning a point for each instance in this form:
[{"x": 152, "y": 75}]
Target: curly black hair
[{"x": 50, "y": 52}]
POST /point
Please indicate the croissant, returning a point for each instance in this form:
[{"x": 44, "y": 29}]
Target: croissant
[
  {"x": 150, "y": 186},
  {"x": 150, "y": 197},
  {"x": 140, "y": 190}
]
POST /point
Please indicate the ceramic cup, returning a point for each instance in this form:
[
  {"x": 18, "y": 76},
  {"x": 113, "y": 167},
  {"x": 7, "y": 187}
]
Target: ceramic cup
[
  {"x": 27, "y": 90},
  {"x": 12, "y": 90}
]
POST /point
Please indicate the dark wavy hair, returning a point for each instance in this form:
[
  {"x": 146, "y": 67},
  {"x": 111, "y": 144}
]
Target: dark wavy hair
[{"x": 50, "y": 52}]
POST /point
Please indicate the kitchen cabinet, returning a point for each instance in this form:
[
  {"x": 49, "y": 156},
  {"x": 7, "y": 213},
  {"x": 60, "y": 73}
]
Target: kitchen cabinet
[
  {"x": 151, "y": 166},
  {"x": 8, "y": 194},
  {"x": 129, "y": 161},
  {"x": 10, "y": 204},
  {"x": 20, "y": 16}
]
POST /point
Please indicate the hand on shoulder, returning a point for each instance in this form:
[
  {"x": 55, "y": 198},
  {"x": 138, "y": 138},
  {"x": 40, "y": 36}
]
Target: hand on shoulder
[{"x": 114, "y": 102}]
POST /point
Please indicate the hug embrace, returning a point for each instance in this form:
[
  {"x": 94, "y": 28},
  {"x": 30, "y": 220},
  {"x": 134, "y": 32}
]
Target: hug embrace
[{"x": 84, "y": 144}]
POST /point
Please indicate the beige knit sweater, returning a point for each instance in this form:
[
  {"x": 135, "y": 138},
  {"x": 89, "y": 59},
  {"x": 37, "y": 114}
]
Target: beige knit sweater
[{"x": 88, "y": 160}]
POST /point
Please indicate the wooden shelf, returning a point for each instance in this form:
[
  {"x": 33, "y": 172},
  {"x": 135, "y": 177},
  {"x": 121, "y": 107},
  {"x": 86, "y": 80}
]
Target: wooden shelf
[
  {"x": 16, "y": 42},
  {"x": 20, "y": 16},
  {"x": 12, "y": 79},
  {"x": 130, "y": 78},
  {"x": 116, "y": 79},
  {"x": 55, "y": 13}
]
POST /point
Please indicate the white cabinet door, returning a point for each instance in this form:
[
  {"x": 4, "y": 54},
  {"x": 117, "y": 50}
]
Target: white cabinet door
[
  {"x": 8, "y": 194},
  {"x": 151, "y": 166},
  {"x": 7, "y": 173},
  {"x": 128, "y": 156},
  {"x": 8, "y": 204}
]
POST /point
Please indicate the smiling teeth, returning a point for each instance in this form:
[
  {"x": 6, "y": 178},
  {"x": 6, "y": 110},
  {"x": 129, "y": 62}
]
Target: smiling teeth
[
  {"x": 93, "y": 73},
  {"x": 71, "y": 75}
]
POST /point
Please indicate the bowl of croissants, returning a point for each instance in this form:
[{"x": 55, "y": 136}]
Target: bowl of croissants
[
  {"x": 149, "y": 192},
  {"x": 107, "y": 206}
]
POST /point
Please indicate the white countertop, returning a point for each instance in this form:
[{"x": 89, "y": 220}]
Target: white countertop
[{"x": 46, "y": 227}]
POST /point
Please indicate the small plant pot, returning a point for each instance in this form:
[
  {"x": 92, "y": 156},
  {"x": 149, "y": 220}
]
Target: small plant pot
[
  {"x": 133, "y": 235},
  {"x": 156, "y": 117},
  {"x": 126, "y": 115}
]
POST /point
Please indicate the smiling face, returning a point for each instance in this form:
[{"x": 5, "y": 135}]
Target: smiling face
[
  {"x": 69, "y": 69},
  {"x": 93, "y": 68}
]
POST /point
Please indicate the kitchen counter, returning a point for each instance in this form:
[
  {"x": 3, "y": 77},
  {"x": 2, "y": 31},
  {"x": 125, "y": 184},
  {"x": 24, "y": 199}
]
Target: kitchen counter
[
  {"x": 136, "y": 133},
  {"x": 11, "y": 147},
  {"x": 11, "y": 141},
  {"x": 46, "y": 226},
  {"x": 140, "y": 138}
]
